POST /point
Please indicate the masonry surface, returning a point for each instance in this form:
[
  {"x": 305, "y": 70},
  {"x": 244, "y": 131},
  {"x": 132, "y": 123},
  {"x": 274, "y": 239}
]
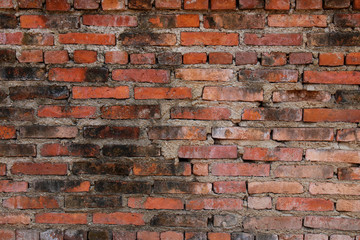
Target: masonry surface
[{"x": 170, "y": 119}]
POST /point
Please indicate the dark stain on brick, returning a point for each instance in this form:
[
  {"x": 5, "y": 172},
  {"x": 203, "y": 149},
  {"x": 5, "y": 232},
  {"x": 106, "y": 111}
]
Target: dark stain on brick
[
  {"x": 62, "y": 22},
  {"x": 111, "y": 132},
  {"x": 169, "y": 58},
  {"x": 334, "y": 39},
  {"x": 96, "y": 201},
  {"x": 21, "y": 73},
  {"x": 32, "y": 92},
  {"x": 179, "y": 220},
  {"x": 3, "y": 95},
  {"x": 7, "y": 55},
  {"x": 8, "y": 21},
  {"x": 130, "y": 151},
  {"x": 84, "y": 150},
  {"x": 55, "y": 186},
  {"x": 101, "y": 168},
  {"x": 96, "y": 75},
  {"x": 140, "y": 4},
  {"x": 16, "y": 114},
  {"x": 347, "y": 97},
  {"x": 17, "y": 150},
  {"x": 105, "y": 186},
  {"x": 75, "y": 235}
]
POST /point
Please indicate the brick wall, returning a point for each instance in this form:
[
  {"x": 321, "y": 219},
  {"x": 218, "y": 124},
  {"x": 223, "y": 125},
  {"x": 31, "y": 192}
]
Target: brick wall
[{"x": 170, "y": 119}]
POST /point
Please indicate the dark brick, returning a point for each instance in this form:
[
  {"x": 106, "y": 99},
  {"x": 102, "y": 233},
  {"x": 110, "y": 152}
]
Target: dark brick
[
  {"x": 161, "y": 169},
  {"x": 50, "y": 21},
  {"x": 140, "y": 4},
  {"x": 334, "y": 39},
  {"x": 17, "y": 150},
  {"x": 3, "y": 95},
  {"x": 169, "y": 58},
  {"x": 266, "y": 236},
  {"x": 347, "y": 97},
  {"x": 130, "y": 151},
  {"x": 100, "y": 168},
  {"x": 181, "y": 187},
  {"x": 41, "y": 131},
  {"x": 7, "y": 55},
  {"x": 234, "y": 21},
  {"x": 336, "y": 4},
  {"x": 123, "y": 187},
  {"x": 16, "y": 114},
  {"x": 242, "y": 236},
  {"x": 42, "y": 92},
  {"x": 75, "y": 235},
  {"x": 111, "y": 132},
  {"x": 70, "y": 149},
  {"x": 8, "y": 21},
  {"x": 55, "y": 186},
  {"x": 177, "y": 220},
  {"x": 21, "y": 73},
  {"x": 96, "y": 201}
]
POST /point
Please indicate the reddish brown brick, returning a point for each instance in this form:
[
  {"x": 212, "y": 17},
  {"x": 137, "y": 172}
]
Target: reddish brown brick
[
  {"x": 277, "y": 4},
  {"x": 331, "y": 115},
  {"x": 104, "y": 132},
  {"x": 131, "y": 112},
  {"x": 273, "y": 59},
  {"x": 147, "y": 39},
  {"x": 348, "y": 135},
  {"x": 300, "y": 58},
  {"x": 155, "y": 203},
  {"x": 303, "y": 134},
  {"x": 336, "y": 4},
  {"x": 85, "y": 56},
  {"x": 304, "y": 171},
  {"x": 353, "y": 58},
  {"x": 7, "y": 132},
  {"x": 273, "y": 39},
  {"x": 209, "y": 39},
  {"x": 241, "y": 133},
  {"x": 168, "y": 4},
  {"x": 57, "y": 5},
  {"x": 142, "y": 58},
  {"x": 78, "y": 74},
  {"x": 309, "y": 4},
  {"x": 269, "y": 75},
  {"x": 301, "y": 95},
  {"x": 10, "y": 186},
  {"x": 110, "y": 20},
  {"x": 39, "y": 168},
  {"x": 273, "y": 154},
  {"x": 220, "y": 58},
  {"x": 119, "y": 218},
  {"x": 116, "y": 57},
  {"x": 210, "y": 113},
  {"x": 30, "y": 3},
  {"x": 243, "y": 58},
  {"x": 51, "y": 111},
  {"x": 87, "y": 38},
  {"x": 162, "y": 169},
  {"x": 303, "y": 204},
  {"x": 194, "y": 58},
  {"x": 275, "y": 187},
  {"x": 284, "y": 20},
  {"x": 121, "y": 92},
  {"x": 171, "y": 133},
  {"x": 86, "y": 4},
  {"x": 240, "y": 169},
  {"x": 196, "y": 5},
  {"x": 204, "y": 74},
  {"x": 207, "y": 152},
  {"x": 70, "y": 149},
  {"x": 22, "y": 202},
  {"x": 331, "y": 59},
  {"x": 230, "y": 187},
  {"x": 272, "y": 114},
  {"x": 113, "y": 5},
  {"x": 56, "y": 57},
  {"x": 233, "y": 94},
  {"x": 142, "y": 75},
  {"x": 61, "y": 218}
]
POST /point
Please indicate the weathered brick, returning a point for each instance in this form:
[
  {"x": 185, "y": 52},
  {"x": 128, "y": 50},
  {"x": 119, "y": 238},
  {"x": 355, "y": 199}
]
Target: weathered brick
[
  {"x": 7, "y": 4},
  {"x": 2, "y": 169},
  {"x": 194, "y": 58},
  {"x": 162, "y": 169},
  {"x": 39, "y": 168},
  {"x": 223, "y": 4},
  {"x": 134, "y": 187},
  {"x": 69, "y": 149},
  {"x": 273, "y": 59},
  {"x": 214, "y": 203},
  {"x": 117, "y": 57},
  {"x": 86, "y": 4},
  {"x": 85, "y": 56},
  {"x": 331, "y": 77},
  {"x": 234, "y": 21},
  {"x": 155, "y": 203},
  {"x": 353, "y": 58},
  {"x": 57, "y": 5},
  {"x": 148, "y": 39},
  {"x": 275, "y": 76},
  {"x": 347, "y": 97},
  {"x": 303, "y": 204},
  {"x": 304, "y": 171},
  {"x": 78, "y": 74},
  {"x": 349, "y": 173},
  {"x": 334, "y": 188},
  {"x": 8, "y": 21},
  {"x": 200, "y": 113},
  {"x": 300, "y": 58},
  {"x": 347, "y": 20},
  {"x": 251, "y": 4},
  {"x": 162, "y": 93},
  {"x": 274, "y": 39},
  {"x": 230, "y": 187},
  {"x": 10, "y": 218},
  {"x": 142, "y": 58},
  {"x": 113, "y": 5},
  {"x": 179, "y": 220},
  {"x": 27, "y": 234},
  {"x": 240, "y": 169},
  {"x": 272, "y": 114},
  {"x": 209, "y": 39},
  {"x": 331, "y": 59},
  {"x": 240, "y": 133},
  {"x": 7, "y": 56},
  {"x": 207, "y": 152},
  {"x": 200, "y": 169},
  {"x": 273, "y": 223},
  {"x": 17, "y": 150},
  {"x": 61, "y": 218},
  {"x": 21, "y": 73},
  {"x": 182, "y": 187},
  {"x": 272, "y": 154},
  {"x": 16, "y": 114},
  {"x": 104, "y": 132},
  {"x": 233, "y": 94},
  {"x": 119, "y": 218},
  {"x": 342, "y": 156},
  {"x": 140, "y": 4},
  {"x": 218, "y": 236},
  {"x": 141, "y": 75},
  {"x": 195, "y": 235},
  {"x": 259, "y": 203},
  {"x": 56, "y": 57},
  {"x": 30, "y": 3},
  {"x": 331, "y": 115},
  {"x": 71, "y": 234},
  {"x": 110, "y": 20},
  {"x": 333, "y": 39},
  {"x": 343, "y": 205},
  {"x": 277, "y": 4},
  {"x": 9, "y": 132},
  {"x": 131, "y": 112},
  {"x": 42, "y": 131},
  {"x": 336, "y": 223},
  {"x": 147, "y": 235},
  {"x": 39, "y": 92},
  {"x": 336, "y": 4},
  {"x": 298, "y": 20},
  {"x": 170, "y": 133},
  {"x": 124, "y": 235},
  {"x": 309, "y": 4},
  {"x": 168, "y": 4},
  {"x": 93, "y": 201},
  {"x": 301, "y": 95},
  {"x": 51, "y": 111},
  {"x": 29, "y": 56},
  {"x": 10, "y": 186},
  {"x": 303, "y": 134},
  {"x": 51, "y": 21},
  {"x": 55, "y": 186},
  {"x": 204, "y": 74},
  {"x": 243, "y": 58},
  {"x": 22, "y": 202},
  {"x": 348, "y": 135},
  {"x": 100, "y": 168},
  {"x": 274, "y": 187},
  {"x": 87, "y": 38},
  {"x": 169, "y": 235},
  {"x": 169, "y": 58},
  {"x": 121, "y": 92},
  {"x": 130, "y": 151}
]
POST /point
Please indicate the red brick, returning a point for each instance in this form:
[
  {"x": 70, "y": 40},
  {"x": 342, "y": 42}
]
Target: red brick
[
  {"x": 272, "y": 154},
  {"x": 259, "y": 203},
  {"x": 209, "y": 39},
  {"x": 61, "y": 218},
  {"x": 30, "y": 3},
  {"x": 303, "y": 134},
  {"x": 42, "y": 131},
  {"x": 173, "y": 133},
  {"x": 10, "y": 186},
  {"x": 334, "y": 188},
  {"x": 78, "y": 74},
  {"x": 304, "y": 171},
  {"x": 39, "y": 168},
  {"x": 331, "y": 115},
  {"x": 240, "y": 169},
  {"x": 300, "y": 58},
  {"x": 335, "y": 223},
  {"x": 155, "y": 203},
  {"x": 2, "y": 169},
  {"x": 343, "y": 205},
  {"x": 200, "y": 113},
  {"x": 272, "y": 114},
  {"x": 147, "y": 235},
  {"x": 147, "y": 39},
  {"x": 301, "y": 95},
  {"x": 251, "y": 4},
  {"x": 300, "y": 20},
  {"x": 171, "y": 235},
  {"x": 110, "y": 20},
  {"x": 331, "y": 59},
  {"x": 223, "y": 4},
  {"x": 4, "y": 233},
  {"x": 347, "y": 20},
  {"x": 230, "y": 187},
  {"x": 214, "y": 203},
  {"x": 9, "y": 218},
  {"x": 200, "y": 169},
  {"x": 240, "y": 133},
  {"x": 7, "y": 4},
  {"x": 168, "y": 4},
  {"x": 57, "y": 5},
  {"x": 117, "y": 57},
  {"x": 162, "y": 93},
  {"x": 50, "y": 21},
  {"x": 142, "y": 58},
  {"x": 273, "y": 223},
  {"x": 162, "y": 169},
  {"x": 56, "y": 57},
  {"x": 27, "y": 39},
  {"x": 113, "y": 5},
  {"x": 187, "y": 20},
  {"x": 353, "y": 58},
  {"x": 332, "y": 77},
  {"x": 140, "y": 4},
  {"x": 194, "y": 58},
  {"x": 29, "y": 56},
  {"x": 349, "y": 173},
  {"x": 124, "y": 235},
  {"x": 348, "y": 135},
  {"x": 87, "y": 38},
  {"x": 309, "y": 4},
  {"x": 142, "y": 75},
  {"x": 220, "y": 58},
  {"x": 7, "y": 132},
  {"x": 219, "y": 236},
  {"x": 131, "y": 112},
  {"x": 273, "y": 59},
  {"x": 86, "y": 4},
  {"x": 336, "y": 4},
  {"x": 67, "y": 111},
  {"x": 233, "y": 94},
  {"x": 207, "y": 152},
  {"x": 69, "y": 149},
  {"x": 204, "y": 74},
  {"x": 119, "y": 218},
  {"x": 303, "y": 204},
  {"x": 243, "y": 58},
  {"x": 277, "y": 4},
  {"x": 357, "y": 7},
  {"x": 121, "y": 92},
  {"x": 22, "y": 202},
  {"x": 176, "y": 187},
  {"x": 196, "y": 4},
  {"x": 276, "y": 76},
  {"x": 274, "y": 187},
  {"x": 342, "y": 156},
  {"x": 273, "y": 39},
  {"x": 85, "y": 56}
]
